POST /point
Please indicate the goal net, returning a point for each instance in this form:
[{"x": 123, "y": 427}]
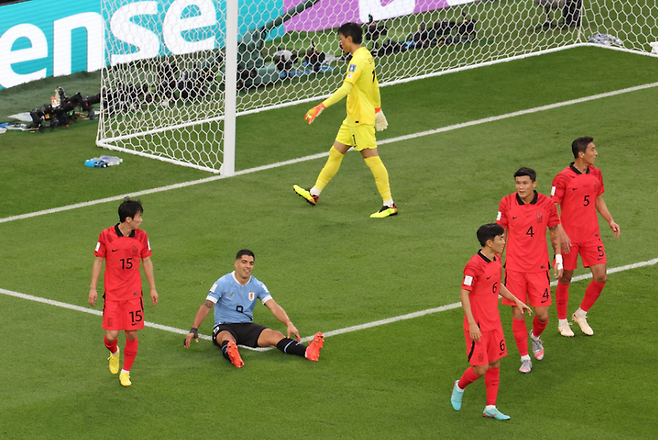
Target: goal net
[{"x": 165, "y": 92}]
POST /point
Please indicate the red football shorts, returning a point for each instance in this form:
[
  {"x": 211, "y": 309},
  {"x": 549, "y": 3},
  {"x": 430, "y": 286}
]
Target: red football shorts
[
  {"x": 532, "y": 288},
  {"x": 491, "y": 347},
  {"x": 590, "y": 254},
  {"x": 123, "y": 315}
]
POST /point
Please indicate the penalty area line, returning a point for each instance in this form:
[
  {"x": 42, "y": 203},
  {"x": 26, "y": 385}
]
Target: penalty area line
[
  {"x": 325, "y": 154},
  {"x": 341, "y": 331}
]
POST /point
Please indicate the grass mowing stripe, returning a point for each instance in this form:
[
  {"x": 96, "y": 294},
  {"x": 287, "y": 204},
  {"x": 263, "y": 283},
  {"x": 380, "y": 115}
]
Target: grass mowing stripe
[
  {"x": 325, "y": 154},
  {"x": 326, "y": 334}
]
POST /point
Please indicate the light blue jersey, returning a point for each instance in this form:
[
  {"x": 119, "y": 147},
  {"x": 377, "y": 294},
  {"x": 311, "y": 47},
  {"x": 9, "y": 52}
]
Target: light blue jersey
[{"x": 235, "y": 303}]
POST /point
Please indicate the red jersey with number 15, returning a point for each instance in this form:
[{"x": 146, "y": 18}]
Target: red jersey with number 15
[
  {"x": 576, "y": 193},
  {"x": 526, "y": 224},
  {"x": 482, "y": 280},
  {"x": 122, "y": 280}
]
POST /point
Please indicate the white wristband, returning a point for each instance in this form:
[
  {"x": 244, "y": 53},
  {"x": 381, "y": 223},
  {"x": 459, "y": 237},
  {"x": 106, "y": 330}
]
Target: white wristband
[{"x": 558, "y": 261}]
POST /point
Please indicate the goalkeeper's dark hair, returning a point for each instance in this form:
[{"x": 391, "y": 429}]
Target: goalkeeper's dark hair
[
  {"x": 525, "y": 171},
  {"x": 489, "y": 232},
  {"x": 246, "y": 252},
  {"x": 129, "y": 208},
  {"x": 580, "y": 145},
  {"x": 352, "y": 30}
]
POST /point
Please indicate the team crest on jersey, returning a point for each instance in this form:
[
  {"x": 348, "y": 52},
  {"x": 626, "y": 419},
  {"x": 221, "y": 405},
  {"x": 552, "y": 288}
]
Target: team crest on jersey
[
  {"x": 135, "y": 251},
  {"x": 252, "y": 296},
  {"x": 540, "y": 217},
  {"x": 352, "y": 68}
]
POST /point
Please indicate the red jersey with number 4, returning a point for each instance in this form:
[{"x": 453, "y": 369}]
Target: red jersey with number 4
[
  {"x": 576, "y": 193},
  {"x": 482, "y": 280},
  {"x": 526, "y": 224},
  {"x": 122, "y": 280}
]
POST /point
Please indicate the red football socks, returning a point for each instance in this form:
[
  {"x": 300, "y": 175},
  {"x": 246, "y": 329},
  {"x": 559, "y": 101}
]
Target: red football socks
[
  {"x": 520, "y": 332},
  {"x": 592, "y": 293},
  {"x": 129, "y": 353},
  {"x": 468, "y": 378},
  {"x": 492, "y": 381},
  {"x": 112, "y": 346},
  {"x": 537, "y": 326},
  {"x": 561, "y": 300}
]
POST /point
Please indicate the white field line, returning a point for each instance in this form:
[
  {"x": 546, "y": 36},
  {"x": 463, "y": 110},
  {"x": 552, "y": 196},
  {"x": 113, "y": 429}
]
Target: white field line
[
  {"x": 64, "y": 305},
  {"x": 308, "y": 338},
  {"x": 325, "y": 154}
]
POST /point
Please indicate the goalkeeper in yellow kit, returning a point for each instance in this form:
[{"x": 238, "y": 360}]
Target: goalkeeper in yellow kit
[{"x": 364, "y": 116}]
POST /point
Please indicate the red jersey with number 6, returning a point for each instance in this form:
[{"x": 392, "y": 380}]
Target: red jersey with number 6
[
  {"x": 122, "y": 280},
  {"x": 482, "y": 280},
  {"x": 576, "y": 193},
  {"x": 526, "y": 224}
]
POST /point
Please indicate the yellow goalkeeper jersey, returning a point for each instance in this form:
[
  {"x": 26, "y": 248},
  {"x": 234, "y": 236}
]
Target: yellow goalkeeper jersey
[{"x": 364, "y": 96}]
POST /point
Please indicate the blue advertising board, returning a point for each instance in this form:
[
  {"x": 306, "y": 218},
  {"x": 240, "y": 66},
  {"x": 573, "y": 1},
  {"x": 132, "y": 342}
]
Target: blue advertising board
[{"x": 42, "y": 38}]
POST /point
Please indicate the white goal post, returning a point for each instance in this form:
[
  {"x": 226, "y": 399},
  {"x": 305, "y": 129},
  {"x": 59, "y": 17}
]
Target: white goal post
[{"x": 178, "y": 72}]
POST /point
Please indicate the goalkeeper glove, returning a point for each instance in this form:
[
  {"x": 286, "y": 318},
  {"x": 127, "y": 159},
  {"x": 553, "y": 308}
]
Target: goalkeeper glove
[
  {"x": 314, "y": 113},
  {"x": 380, "y": 120}
]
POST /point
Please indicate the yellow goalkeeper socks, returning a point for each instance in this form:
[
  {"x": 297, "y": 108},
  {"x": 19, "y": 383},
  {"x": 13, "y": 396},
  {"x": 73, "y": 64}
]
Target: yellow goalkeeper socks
[
  {"x": 330, "y": 169},
  {"x": 381, "y": 176}
]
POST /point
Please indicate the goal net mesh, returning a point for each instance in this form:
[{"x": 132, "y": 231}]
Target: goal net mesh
[{"x": 163, "y": 90}]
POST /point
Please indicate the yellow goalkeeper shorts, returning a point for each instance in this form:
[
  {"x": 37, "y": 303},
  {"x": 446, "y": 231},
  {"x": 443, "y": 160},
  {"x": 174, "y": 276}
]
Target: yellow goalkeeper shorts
[{"x": 361, "y": 137}]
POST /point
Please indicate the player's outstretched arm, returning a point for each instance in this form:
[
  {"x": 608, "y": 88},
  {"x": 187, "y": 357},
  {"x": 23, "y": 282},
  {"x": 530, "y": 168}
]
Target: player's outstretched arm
[
  {"x": 148, "y": 271},
  {"x": 603, "y": 210},
  {"x": 339, "y": 94},
  {"x": 95, "y": 274},
  {"x": 558, "y": 268},
  {"x": 198, "y": 320},
  {"x": 565, "y": 241},
  {"x": 381, "y": 123},
  {"x": 473, "y": 329},
  {"x": 282, "y": 316},
  {"x": 510, "y": 296}
]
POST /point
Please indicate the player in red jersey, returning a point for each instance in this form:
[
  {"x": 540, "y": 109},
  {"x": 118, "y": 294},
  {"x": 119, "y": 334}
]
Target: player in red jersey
[
  {"x": 578, "y": 189},
  {"x": 122, "y": 246},
  {"x": 525, "y": 215},
  {"x": 485, "y": 342}
]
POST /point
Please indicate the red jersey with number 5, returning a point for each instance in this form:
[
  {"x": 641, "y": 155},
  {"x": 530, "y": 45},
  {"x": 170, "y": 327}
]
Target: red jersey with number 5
[
  {"x": 122, "y": 280},
  {"x": 482, "y": 280},
  {"x": 576, "y": 193},
  {"x": 526, "y": 224}
]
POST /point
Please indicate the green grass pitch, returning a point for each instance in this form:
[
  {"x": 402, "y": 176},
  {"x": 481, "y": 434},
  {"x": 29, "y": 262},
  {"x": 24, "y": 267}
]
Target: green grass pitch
[{"x": 332, "y": 267}]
